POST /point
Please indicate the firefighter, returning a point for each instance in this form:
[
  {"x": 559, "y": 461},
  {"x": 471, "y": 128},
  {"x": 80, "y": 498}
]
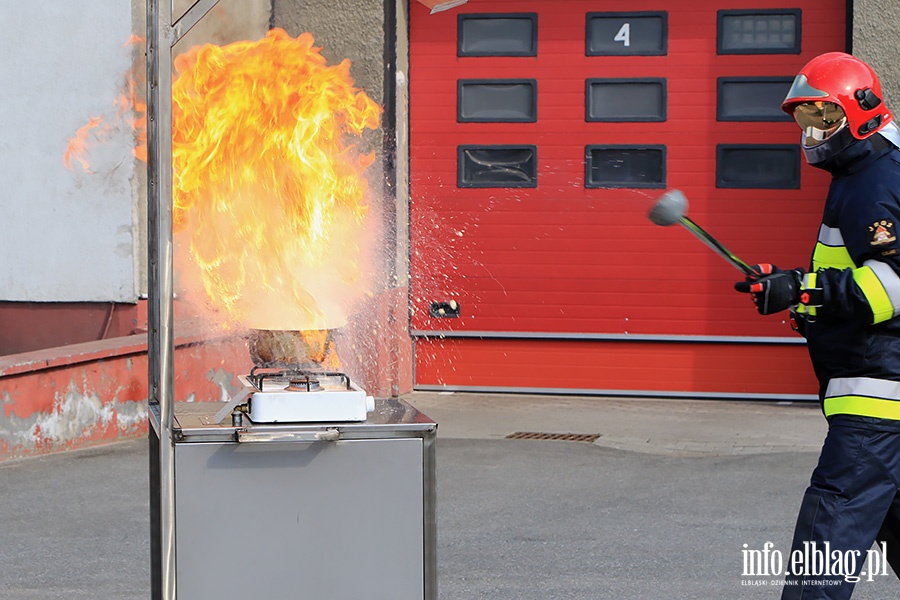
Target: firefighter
[{"x": 847, "y": 305}]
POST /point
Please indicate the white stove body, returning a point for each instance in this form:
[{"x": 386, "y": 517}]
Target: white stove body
[{"x": 333, "y": 403}]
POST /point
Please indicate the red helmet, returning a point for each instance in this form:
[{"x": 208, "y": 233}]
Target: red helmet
[{"x": 846, "y": 81}]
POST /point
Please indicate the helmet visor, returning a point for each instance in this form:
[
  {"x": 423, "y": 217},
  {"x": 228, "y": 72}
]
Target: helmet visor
[
  {"x": 819, "y": 121},
  {"x": 801, "y": 88}
]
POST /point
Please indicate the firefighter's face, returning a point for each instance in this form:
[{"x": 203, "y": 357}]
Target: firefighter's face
[{"x": 819, "y": 121}]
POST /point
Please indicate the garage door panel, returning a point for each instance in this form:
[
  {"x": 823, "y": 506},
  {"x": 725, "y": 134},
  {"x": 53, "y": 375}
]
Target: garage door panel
[
  {"x": 582, "y": 246},
  {"x": 614, "y": 366},
  {"x": 488, "y": 305}
]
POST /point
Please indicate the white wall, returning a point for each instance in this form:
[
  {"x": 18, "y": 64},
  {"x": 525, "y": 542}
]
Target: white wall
[{"x": 66, "y": 235}]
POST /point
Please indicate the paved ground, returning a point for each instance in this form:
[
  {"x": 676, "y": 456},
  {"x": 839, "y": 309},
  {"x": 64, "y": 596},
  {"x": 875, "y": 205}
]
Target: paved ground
[
  {"x": 658, "y": 507},
  {"x": 664, "y": 427}
]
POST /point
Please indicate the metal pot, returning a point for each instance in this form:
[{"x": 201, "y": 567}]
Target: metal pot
[{"x": 309, "y": 349}]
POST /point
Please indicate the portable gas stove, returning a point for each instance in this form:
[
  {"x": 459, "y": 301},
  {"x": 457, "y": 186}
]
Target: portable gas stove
[{"x": 290, "y": 395}]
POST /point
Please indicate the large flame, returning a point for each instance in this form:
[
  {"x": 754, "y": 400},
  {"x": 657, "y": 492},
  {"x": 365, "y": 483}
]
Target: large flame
[
  {"x": 267, "y": 187},
  {"x": 270, "y": 198}
]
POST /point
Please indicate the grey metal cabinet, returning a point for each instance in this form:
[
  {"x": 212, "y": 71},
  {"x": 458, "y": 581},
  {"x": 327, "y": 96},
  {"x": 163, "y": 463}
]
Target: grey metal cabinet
[{"x": 336, "y": 511}]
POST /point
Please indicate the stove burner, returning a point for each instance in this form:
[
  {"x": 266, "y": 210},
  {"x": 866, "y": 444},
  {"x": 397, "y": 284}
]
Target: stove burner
[
  {"x": 305, "y": 384},
  {"x": 297, "y": 380}
]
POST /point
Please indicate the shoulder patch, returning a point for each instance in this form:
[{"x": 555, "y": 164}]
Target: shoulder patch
[{"x": 882, "y": 232}]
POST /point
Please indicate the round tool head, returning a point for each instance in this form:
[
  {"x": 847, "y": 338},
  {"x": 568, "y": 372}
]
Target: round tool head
[{"x": 670, "y": 207}]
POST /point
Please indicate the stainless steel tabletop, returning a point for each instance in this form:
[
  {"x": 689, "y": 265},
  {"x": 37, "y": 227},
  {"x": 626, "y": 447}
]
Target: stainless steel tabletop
[{"x": 393, "y": 417}]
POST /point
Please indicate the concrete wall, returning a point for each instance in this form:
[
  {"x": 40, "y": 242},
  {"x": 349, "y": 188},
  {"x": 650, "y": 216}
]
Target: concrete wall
[
  {"x": 90, "y": 394},
  {"x": 67, "y": 235},
  {"x": 351, "y": 29},
  {"x": 79, "y": 235},
  {"x": 876, "y": 31}
]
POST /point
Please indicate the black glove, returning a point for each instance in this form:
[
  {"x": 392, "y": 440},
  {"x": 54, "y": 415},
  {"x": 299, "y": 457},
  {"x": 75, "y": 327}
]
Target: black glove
[{"x": 773, "y": 293}]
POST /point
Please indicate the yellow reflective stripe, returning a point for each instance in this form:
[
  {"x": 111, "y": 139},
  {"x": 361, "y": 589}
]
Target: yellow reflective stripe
[
  {"x": 878, "y": 298},
  {"x": 831, "y": 257},
  {"x": 889, "y": 279},
  {"x": 862, "y": 406},
  {"x": 809, "y": 283}
]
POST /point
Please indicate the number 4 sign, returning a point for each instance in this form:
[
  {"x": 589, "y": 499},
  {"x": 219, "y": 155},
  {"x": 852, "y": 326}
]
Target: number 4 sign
[
  {"x": 624, "y": 34},
  {"x": 627, "y": 34}
]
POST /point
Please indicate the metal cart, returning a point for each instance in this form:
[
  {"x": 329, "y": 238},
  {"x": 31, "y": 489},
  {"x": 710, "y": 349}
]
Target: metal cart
[
  {"x": 324, "y": 510},
  {"x": 336, "y": 511}
]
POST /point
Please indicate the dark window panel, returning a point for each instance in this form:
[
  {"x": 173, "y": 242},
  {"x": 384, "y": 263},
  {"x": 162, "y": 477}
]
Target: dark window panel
[
  {"x": 625, "y": 100},
  {"x": 759, "y": 166},
  {"x": 625, "y": 166},
  {"x": 498, "y": 100},
  {"x": 759, "y": 31},
  {"x": 626, "y": 33},
  {"x": 497, "y": 166},
  {"x": 503, "y": 34},
  {"x": 752, "y": 98}
]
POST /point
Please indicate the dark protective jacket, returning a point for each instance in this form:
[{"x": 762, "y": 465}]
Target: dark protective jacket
[{"x": 850, "y": 299}]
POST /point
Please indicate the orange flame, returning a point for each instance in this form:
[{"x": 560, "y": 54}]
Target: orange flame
[
  {"x": 321, "y": 348},
  {"x": 265, "y": 184},
  {"x": 78, "y": 144},
  {"x": 269, "y": 194},
  {"x": 128, "y": 103}
]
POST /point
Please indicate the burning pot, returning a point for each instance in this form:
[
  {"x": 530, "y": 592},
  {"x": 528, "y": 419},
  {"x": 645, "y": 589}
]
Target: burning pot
[{"x": 313, "y": 348}]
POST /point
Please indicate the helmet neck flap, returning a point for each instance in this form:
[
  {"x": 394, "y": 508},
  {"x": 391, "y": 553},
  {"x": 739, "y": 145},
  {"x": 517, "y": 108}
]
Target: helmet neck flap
[
  {"x": 843, "y": 154},
  {"x": 821, "y": 154}
]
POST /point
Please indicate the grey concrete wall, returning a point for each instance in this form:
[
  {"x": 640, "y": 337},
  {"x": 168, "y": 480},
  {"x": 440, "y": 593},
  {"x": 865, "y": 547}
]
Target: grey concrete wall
[
  {"x": 876, "y": 33},
  {"x": 74, "y": 235},
  {"x": 67, "y": 235},
  {"x": 352, "y": 29}
]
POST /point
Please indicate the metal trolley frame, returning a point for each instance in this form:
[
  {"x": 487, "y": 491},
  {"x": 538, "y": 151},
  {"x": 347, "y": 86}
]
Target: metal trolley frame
[{"x": 191, "y": 452}]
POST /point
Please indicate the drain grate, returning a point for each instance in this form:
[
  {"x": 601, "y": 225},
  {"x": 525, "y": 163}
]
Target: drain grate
[{"x": 565, "y": 437}]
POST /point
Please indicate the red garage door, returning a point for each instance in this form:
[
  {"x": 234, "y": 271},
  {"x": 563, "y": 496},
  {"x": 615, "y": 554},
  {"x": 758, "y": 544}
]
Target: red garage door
[{"x": 542, "y": 132}]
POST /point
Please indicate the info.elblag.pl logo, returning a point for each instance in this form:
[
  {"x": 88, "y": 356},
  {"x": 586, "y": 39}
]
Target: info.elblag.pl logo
[{"x": 818, "y": 564}]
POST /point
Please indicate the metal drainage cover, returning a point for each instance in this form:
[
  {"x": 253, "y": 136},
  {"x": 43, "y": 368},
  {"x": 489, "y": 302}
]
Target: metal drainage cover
[{"x": 565, "y": 437}]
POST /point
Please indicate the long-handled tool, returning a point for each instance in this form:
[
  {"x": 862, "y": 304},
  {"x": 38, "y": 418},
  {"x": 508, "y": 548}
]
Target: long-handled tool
[{"x": 671, "y": 208}]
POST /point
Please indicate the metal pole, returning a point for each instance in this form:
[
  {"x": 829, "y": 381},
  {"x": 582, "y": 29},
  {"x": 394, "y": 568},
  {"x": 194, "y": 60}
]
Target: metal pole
[
  {"x": 162, "y": 35},
  {"x": 160, "y": 335}
]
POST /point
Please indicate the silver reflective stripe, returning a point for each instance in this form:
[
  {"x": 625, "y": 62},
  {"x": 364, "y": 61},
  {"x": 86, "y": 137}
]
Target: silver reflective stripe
[
  {"x": 891, "y": 134},
  {"x": 889, "y": 280},
  {"x": 830, "y": 236},
  {"x": 863, "y": 386}
]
